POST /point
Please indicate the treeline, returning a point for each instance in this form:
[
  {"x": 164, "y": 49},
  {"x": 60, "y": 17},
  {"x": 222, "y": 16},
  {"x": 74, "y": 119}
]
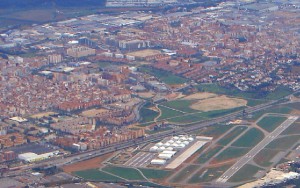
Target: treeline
[{"x": 46, "y": 3}]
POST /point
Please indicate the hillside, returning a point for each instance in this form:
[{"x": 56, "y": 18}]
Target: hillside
[{"x": 46, "y": 3}]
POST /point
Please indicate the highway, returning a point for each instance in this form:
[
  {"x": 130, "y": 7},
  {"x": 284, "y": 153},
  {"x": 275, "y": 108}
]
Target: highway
[
  {"x": 60, "y": 161},
  {"x": 254, "y": 151}
]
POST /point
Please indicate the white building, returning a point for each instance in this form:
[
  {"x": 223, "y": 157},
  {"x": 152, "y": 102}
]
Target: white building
[
  {"x": 158, "y": 162},
  {"x": 33, "y": 157}
]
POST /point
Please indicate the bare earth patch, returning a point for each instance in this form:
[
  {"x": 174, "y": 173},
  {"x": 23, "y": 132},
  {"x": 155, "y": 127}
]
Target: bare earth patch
[
  {"x": 218, "y": 103},
  {"x": 88, "y": 164},
  {"x": 175, "y": 95},
  {"x": 144, "y": 53},
  {"x": 93, "y": 112},
  {"x": 146, "y": 94},
  {"x": 200, "y": 96},
  {"x": 44, "y": 114}
]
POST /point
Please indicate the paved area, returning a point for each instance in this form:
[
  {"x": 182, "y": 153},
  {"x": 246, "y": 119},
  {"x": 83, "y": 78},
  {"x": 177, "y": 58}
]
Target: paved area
[
  {"x": 186, "y": 154},
  {"x": 254, "y": 151},
  {"x": 141, "y": 159}
]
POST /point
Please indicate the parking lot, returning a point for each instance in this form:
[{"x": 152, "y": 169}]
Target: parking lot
[{"x": 142, "y": 159}]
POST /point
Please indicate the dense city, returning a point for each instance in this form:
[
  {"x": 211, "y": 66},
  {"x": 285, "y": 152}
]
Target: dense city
[{"x": 160, "y": 89}]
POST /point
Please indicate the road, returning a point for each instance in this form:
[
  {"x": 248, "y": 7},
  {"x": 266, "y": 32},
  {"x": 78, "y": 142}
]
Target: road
[
  {"x": 190, "y": 128},
  {"x": 254, "y": 151}
]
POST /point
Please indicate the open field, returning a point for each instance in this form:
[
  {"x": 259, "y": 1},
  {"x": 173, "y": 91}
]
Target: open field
[
  {"x": 293, "y": 129},
  {"x": 230, "y": 153},
  {"x": 215, "y": 88},
  {"x": 264, "y": 157},
  {"x": 249, "y": 139},
  {"x": 88, "y": 164},
  {"x": 146, "y": 95},
  {"x": 218, "y": 103},
  {"x": 254, "y": 102},
  {"x": 189, "y": 118},
  {"x": 93, "y": 112},
  {"x": 245, "y": 173},
  {"x": 147, "y": 114},
  {"x": 127, "y": 173},
  {"x": 96, "y": 175},
  {"x": 295, "y": 106},
  {"x": 284, "y": 142},
  {"x": 184, "y": 173},
  {"x": 182, "y": 105},
  {"x": 209, "y": 154},
  {"x": 269, "y": 123},
  {"x": 164, "y": 76},
  {"x": 44, "y": 114},
  {"x": 199, "y": 96},
  {"x": 144, "y": 53},
  {"x": 209, "y": 174},
  {"x": 232, "y": 135},
  {"x": 155, "y": 174},
  {"x": 283, "y": 109},
  {"x": 214, "y": 131},
  {"x": 168, "y": 113}
]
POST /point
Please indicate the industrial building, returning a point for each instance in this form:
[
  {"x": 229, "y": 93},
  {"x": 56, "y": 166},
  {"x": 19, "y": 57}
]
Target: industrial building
[
  {"x": 158, "y": 162},
  {"x": 177, "y": 149},
  {"x": 33, "y": 157},
  {"x": 167, "y": 149}
]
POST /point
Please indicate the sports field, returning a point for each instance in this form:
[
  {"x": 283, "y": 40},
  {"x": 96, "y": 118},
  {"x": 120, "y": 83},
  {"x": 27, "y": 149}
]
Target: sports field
[
  {"x": 144, "y": 53},
  {"x": 93, "y": 112}
]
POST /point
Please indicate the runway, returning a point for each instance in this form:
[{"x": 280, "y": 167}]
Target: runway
[{"x": 254, "y": 151}]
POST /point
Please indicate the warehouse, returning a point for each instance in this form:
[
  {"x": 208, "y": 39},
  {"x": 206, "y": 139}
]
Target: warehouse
[
  {"x": 158, "y": 162},
  {"x": 33, "y": 157},
  {"x": 165, "y": 155},
  {"x": 169, "y": 152}
]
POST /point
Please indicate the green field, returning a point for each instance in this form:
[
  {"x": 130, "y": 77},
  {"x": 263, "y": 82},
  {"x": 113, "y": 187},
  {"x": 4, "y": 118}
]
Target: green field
[
  {"x": 96, "y": 175},
  {"x": 182, "y": 105},
  {"x": 284, "y": 143},
  {"x": 204, "y": 157},
  {"x": 191, "y": 118},
  {"x": 264, "y": 156},
  {"x": 155, "y": 174},
  {"x": 164, "y": 76},
  {"x": 215, "y": 88},
  {"x": 188, "y": 118},
  {"x": 277, "y": 109},
  {"x": 215, "y": 130},
  {"x": 231, "y": 153},
  {"x": 295, "y": 106},
  {"x": 208, "y": 175},
  {"x": 184, "y": 173},
  {"x": 254, "y": 102},
  {"x": 168, "y": 113},
  {"x": 249, "y": 139},
  {"x": 292, "y": 129},
  {"x": 245, "y": 173},
  {"x": 127, "y": 173},
  {"x": 269, "y": 123},
  {"x": 232, "y": 135},
  {"x": 147, "y": 115}
]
